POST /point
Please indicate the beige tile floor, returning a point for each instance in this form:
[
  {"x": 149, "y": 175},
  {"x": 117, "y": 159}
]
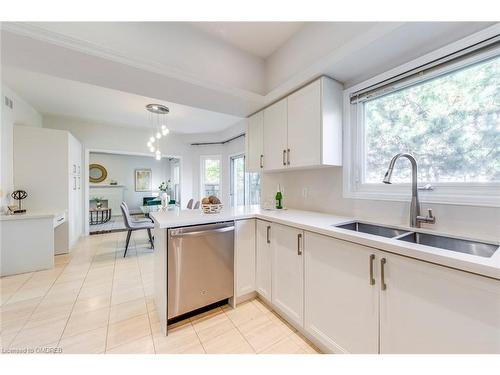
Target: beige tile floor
[{"x": 95, "y": 301}]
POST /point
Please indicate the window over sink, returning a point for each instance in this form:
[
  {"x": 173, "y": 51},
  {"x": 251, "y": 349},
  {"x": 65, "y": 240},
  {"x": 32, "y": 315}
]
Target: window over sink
[{"x": 447, "y": 116}]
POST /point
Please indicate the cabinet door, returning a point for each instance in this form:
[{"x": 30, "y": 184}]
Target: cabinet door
[
  {"x": 275, "y": 136},
  {"x": 255, "y": 142},
  {"x": 341, "y": 304},
  {"x": 264, "y": 259},
  {"x": 245, "y": 256},
  {"x": 432, "y": 309},
  {"x": 304, "y": 126},
  {"x": 288, "y": 272}
]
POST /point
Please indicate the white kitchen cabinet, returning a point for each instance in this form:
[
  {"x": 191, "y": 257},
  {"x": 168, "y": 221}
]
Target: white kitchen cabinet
[
  {"x": 303, "y": 130},
  {"x": 47, "y": 164},
  {"x": 341, "y": 301},
  {"x": 244, "y": 257},
  {"x": 315, "y": 125},
  {"x": 255, "y": 142},
  {"x": 288, "y": 272},
  {"x": 263, "y": 260},
  {"x": 275, "y": 136},
  {"x": 433, "y": 309}
]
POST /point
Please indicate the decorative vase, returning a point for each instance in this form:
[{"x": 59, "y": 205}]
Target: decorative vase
[
  {"x": 98, "y": 204},
  {"x": 164, "y": 198}
]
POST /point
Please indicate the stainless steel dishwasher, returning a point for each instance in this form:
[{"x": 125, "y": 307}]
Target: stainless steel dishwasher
[{"x": 200, "y": 266}]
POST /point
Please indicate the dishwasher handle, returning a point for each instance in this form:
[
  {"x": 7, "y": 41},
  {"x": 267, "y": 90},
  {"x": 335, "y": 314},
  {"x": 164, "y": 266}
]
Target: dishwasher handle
[{"x": 202, "y": 232}]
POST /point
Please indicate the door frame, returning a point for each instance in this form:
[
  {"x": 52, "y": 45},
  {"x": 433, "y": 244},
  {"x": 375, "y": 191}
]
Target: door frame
[
  {"x": 231, "y": 177},
  {"x": 86, "y": 185}
]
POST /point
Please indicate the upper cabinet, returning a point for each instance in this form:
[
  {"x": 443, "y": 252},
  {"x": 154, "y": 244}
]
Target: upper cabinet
[
  {"x": 255, "y": 142},
  {"x": 275, "y": 136},
  {"x": 303, "y": 130}
]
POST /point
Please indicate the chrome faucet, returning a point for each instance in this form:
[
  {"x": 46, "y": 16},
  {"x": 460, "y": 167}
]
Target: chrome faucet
[{"x": 415, "y": 218}]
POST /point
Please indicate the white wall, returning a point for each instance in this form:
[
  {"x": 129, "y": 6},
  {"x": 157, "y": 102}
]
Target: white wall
[
  {"x": 105, "y": 137},
  {"x": 121, "y": 168},
  {"x": 21, "y": 114},
  {"x": 324, "y": 194}
]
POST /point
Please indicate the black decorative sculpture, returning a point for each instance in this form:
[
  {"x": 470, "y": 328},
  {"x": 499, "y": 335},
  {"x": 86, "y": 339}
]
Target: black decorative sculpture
[{"x": 19, "y": 195}]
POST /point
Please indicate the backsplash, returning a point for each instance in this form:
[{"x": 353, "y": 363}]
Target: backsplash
[{"x": 321, "y": 190}]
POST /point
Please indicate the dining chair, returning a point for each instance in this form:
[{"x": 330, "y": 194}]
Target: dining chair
[
  {"x": 137, "y": 220},
  {"x": 196, "y": 205},
  {"x": 132, "y": 226},
  {"x": 190, "y": 204}
]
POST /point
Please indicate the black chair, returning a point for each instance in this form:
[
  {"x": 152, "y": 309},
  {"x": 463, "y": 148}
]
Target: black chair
[{"x": 133, "y": 225}]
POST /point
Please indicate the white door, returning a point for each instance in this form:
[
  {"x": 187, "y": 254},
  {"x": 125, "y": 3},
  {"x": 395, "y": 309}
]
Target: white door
[
  {"x": 304, "y": 126},
  {"x": 288, "y": 272},
  {"x": 255, "y": 142},
  {"x": 275, "y": 136},
  {"x": 432, "y": 309},
  {"x": 264, "y": 259},
  {"x": 341, "y": 302},
  {"x": 245, "y": 256}
]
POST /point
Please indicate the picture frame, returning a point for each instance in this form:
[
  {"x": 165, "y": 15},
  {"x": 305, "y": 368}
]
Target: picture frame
[{"x": 143, "y": 180}]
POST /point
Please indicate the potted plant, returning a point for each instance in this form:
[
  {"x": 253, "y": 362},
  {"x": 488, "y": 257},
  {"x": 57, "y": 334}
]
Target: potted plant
[
  {"x": 98, "y": 202},
  {"x": 164, "y": 188}
]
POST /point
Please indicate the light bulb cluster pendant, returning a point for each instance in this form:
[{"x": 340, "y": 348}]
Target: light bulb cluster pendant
[{"x": 158, "y": 119}]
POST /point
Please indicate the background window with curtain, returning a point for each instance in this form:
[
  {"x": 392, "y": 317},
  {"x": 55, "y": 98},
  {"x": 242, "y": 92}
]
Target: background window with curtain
[{"x": 211, "y": 176}]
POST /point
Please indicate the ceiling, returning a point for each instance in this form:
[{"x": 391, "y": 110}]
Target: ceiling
[
  {"x": 258, "y": 38},
  {"x": 52, "y": 95},
  {"x": 210, "y": 74}
]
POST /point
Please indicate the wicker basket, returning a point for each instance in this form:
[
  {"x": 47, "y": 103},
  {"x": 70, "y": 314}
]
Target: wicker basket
[{"x": 211, "y": 208}]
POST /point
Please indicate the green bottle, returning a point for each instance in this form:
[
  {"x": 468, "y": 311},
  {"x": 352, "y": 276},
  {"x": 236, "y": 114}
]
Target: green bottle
[{"x": 279, "y": 198}]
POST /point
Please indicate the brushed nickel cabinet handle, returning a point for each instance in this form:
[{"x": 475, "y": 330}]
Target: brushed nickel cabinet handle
[
  {"x": 383, "y": 286},
  {"x": 299, "y": 244},
  {"x": 372, "y": 279},
  {"x": 262, "y": 161},
  {"x": 284, "y": 157},
  {"x": 268, "y": 239},
  {"x": 288, "y": 156}
]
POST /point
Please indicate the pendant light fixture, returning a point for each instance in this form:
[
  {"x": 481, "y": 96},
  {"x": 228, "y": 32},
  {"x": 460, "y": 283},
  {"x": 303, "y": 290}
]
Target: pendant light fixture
[{"x": 157, "y": 114}]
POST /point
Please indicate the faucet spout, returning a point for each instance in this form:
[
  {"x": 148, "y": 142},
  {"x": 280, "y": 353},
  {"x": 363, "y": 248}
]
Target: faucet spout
[{"x": 415, "y": 217}]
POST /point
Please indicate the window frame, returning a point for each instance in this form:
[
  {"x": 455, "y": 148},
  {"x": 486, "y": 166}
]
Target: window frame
[
  {"x": 231, "y": 178},
  {"x": 477, "y": 194},
  {"x": 202, "y": 174}
]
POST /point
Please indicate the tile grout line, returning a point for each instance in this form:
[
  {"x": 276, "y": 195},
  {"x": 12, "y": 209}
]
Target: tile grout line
[
  {"x": 19, "y": 288},
  {"x": 145, "y": 300},
  {"x": 199, "y": 339},
  {"x": 38, "y": 304},
  {"x": 76, "y": 299},
  {"x": 241, "y": 333},
  {"x": 111, "y": 296}
]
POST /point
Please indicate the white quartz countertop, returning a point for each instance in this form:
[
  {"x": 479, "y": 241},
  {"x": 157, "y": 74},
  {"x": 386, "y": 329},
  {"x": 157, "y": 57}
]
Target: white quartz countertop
[
  {"x": 31, "y": 215},
  {"x": 324, "y": 224}
]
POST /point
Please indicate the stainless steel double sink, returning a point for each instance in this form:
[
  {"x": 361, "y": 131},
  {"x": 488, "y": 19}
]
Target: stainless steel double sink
[{"x": 442, "y": 242}]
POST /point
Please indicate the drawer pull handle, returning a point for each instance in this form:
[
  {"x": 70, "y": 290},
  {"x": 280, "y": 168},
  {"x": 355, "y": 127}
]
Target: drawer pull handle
[
  {"x": 268, "y": 239},
  {"x": 372, "y": 279},
  {"x": 284, "y": 157},
  {"x": 383, "y": 286},
  {"x": 262, "y": 161},
  {"x": 299, "y": 244}
]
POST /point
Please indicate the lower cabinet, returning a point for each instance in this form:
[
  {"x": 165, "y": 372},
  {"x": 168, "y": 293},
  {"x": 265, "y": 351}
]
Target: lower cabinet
[
  {"x": 244, "y": 257},
  {"x": 428, "y": 308},
  {"x": 362, "y": 300},
  {"x": 288, "y": 272},
  {"x": 264, "y": 258},
  {"x": 341, "y": 294}
]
